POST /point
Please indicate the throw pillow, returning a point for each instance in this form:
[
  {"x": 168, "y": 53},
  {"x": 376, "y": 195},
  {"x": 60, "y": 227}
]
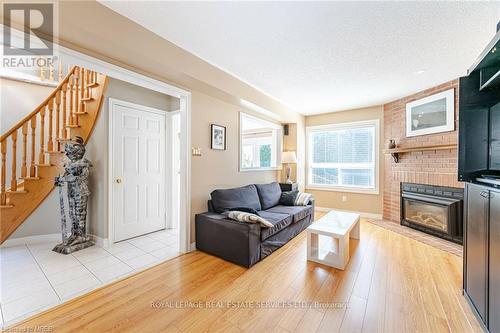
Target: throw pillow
[
  {"x": 288, "y": 198},
  {"x": 303, "y": 199},
  {"x": 241, "y": 209},
  {"x": 248, "y": 217}
]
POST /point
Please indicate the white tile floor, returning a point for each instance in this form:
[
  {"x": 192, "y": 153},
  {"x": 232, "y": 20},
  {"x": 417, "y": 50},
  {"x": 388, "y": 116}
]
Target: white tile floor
[{"x": 34, "y": 278}]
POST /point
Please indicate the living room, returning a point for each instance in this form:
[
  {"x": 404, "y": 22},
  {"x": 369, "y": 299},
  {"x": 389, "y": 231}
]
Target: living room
[{"x": 334, "y": 169}]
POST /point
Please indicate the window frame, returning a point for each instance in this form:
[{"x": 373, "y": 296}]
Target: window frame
[
  {"x": 279, "y": 143},
  {"x": 343, "y": 188}
]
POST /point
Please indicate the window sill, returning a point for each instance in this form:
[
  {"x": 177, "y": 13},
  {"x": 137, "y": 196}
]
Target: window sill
[
  {"x": 343, "y": 189},
  {"x": 261, "y": 169}
]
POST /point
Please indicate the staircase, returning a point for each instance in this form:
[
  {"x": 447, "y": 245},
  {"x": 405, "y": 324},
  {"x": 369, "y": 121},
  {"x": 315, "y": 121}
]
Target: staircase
[{"x": 32, "y": 151}]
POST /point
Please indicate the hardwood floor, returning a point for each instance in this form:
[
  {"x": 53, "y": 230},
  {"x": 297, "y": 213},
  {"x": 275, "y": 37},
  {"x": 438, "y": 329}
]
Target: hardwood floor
[{"x": 391, "y": 284}]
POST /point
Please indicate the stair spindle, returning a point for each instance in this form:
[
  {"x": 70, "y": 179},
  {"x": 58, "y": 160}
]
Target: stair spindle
[
  {"x": 57, "y": 101},
  {"x": 77, "y": 98},
  {"x": 3, "y": 196},
  {"x": 81, "y": 105},
  {"x": 24, "y": 131},
  {"x": 50, "y": 144},
  {"x": 71, "y": 100},
  {"x": 41, "y": 153},
  {"x": 13, "y": 181},
  {"x": 90, "y": 81},
  {"x": 64, "y": 109},
  {"x": 86, "y": 82},
  {"x": 33, "y": 144}
]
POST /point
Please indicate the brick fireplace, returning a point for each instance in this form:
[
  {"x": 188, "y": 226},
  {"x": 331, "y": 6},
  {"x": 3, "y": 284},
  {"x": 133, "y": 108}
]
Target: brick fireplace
[{"x": 434, "y": 167}]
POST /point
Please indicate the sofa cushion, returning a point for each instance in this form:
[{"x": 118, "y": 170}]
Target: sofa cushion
[
  {"x": 246, "y": 196},
  {"x": 269, "y": 194},
  {"x": 298, "y": 212},
  {"x": 288, "y": 198},
  {"x": 279, "y": 221},
  {"x": 248, "y": 218}
]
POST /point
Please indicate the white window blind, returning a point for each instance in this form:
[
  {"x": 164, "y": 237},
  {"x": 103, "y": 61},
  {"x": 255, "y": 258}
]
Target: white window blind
[{"x": 343, "y": 156}]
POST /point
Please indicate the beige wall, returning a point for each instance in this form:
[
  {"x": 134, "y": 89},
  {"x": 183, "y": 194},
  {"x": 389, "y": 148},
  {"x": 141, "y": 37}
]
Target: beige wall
[
  {"x": 18, "y": 99},
  {"x": 367, "y": 203},
  {"x": 45, "y": 219},
  {"x": 216, "y": 95}
]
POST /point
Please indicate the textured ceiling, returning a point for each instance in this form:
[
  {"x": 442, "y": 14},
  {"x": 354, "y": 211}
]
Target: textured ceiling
[{"x": 320, "y": 57}]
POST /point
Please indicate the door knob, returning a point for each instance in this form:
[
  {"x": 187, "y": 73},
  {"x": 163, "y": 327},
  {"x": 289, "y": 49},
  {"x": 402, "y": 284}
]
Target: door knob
[{"x": 118, "y": 180}]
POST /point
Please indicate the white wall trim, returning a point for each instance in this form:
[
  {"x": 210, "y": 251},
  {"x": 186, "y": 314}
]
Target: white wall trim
[
  {"x": 99, "y": 241},
  {"x": 363, "y": 214},
  {"x": 56, "y": 238}
]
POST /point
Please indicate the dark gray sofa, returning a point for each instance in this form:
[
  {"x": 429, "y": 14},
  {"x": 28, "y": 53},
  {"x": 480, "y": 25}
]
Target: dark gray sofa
[{"x": 243, "y": 243}]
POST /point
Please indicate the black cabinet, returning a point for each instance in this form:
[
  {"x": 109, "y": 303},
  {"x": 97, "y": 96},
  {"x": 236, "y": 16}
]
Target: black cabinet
[
  {"x": 477, "y": 247},
  {"x": 494, "y": 263},
  {"x": 482, "y": 253}
]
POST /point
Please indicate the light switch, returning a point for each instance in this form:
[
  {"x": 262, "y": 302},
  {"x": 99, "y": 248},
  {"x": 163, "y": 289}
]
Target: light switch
[{"x": 196, "y": 151}]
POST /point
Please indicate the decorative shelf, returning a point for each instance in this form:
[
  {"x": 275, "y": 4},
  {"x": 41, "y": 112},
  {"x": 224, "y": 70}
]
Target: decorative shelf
[{"x": 401, "y": 150}]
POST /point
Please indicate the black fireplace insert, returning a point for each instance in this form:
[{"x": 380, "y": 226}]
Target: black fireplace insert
[{"x": 435, "y": 210}]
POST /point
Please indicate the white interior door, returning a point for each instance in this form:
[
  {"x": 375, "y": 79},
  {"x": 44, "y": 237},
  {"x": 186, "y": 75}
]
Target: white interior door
[{"x": 139, "y": 170}]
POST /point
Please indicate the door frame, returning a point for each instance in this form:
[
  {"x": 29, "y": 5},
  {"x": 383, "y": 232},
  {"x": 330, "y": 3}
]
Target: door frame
[
  {"x": 113, "y": 102},
  {"x": 184, "y": 186},
  {"x": 170, "y": 168}
]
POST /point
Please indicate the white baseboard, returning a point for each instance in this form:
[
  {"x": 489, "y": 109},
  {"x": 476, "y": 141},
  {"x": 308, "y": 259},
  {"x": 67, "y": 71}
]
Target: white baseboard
[
  {"x": 99, "y": 241},
  {"x": 56, "y": 238},
  {"x": 363, "y": 214},
  {"x": 192, "y": 247}
]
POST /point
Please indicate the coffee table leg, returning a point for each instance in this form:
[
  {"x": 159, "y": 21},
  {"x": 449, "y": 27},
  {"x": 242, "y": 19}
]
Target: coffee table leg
[
  {"x": 355, "y": 232},
  {"x": 343, "y": 256}
]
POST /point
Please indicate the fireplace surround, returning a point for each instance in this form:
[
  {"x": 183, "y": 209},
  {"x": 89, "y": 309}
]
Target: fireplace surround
[{"x": 435, "y": 210}]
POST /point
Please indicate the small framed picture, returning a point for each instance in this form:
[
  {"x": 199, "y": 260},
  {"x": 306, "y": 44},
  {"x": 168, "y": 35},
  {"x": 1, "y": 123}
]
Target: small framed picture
[
  {"x": 432, "y": 114},
  {"x": 218, "y": 137}
]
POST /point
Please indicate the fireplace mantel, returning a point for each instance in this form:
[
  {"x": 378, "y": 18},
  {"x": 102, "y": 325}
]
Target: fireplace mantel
[{"x": 401, "y": 150}]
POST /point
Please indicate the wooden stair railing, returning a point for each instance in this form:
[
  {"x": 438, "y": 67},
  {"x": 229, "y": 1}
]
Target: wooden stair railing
[{"x": 31, "y": 151}]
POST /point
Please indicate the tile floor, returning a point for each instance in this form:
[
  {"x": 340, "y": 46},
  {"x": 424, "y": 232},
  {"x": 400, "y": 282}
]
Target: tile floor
[
  {"x": 34, "y": 278},
  {"x": 436, "y": 242}
]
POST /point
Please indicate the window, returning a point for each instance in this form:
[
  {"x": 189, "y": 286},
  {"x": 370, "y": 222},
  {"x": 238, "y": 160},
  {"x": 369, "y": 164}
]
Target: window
[
  {"x": 343, "y": 157},
  {"x": 260, "y": 144}
]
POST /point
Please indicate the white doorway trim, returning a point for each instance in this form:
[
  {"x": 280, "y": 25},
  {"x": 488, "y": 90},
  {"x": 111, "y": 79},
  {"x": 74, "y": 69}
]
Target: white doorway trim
[
  {"x": 119, "y": 72},
  {"x": 173, "y": 165}
]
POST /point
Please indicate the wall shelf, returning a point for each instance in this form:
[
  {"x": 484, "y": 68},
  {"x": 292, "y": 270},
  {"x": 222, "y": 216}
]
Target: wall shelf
[{"x": 401, "y": 150}]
